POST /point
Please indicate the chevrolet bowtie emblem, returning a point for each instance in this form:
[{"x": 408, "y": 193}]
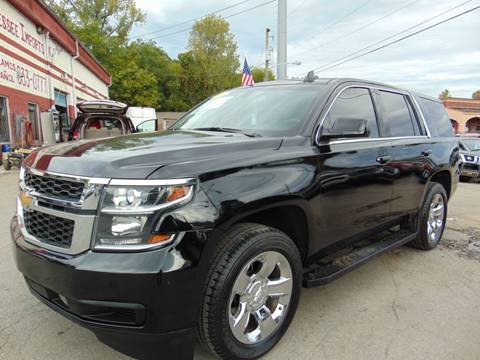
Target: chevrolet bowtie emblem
[{"x": 25, "y": 199}]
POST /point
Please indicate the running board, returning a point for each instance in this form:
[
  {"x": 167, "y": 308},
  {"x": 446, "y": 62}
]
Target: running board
[{"x": 319, "y": 273}]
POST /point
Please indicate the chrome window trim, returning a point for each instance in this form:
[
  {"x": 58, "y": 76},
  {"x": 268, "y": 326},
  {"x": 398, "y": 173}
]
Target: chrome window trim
[
  {"x": 378, "y": 139},
  {"x": 373, "y": 87}
]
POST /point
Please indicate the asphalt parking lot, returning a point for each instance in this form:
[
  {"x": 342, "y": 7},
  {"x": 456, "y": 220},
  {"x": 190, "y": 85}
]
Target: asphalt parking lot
[{"x": 406, "y": 304}]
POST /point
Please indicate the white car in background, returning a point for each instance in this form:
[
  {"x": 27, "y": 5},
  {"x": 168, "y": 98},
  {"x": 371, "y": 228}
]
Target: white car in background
[{"x": 144, "y": 118}]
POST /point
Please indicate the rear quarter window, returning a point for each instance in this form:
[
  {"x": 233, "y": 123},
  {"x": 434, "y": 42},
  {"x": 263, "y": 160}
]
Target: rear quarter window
[{"x": 436, "y": 118}]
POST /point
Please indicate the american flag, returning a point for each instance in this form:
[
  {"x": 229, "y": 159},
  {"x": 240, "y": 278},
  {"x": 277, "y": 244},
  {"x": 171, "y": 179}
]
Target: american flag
[{"x": 247, "y": 77}]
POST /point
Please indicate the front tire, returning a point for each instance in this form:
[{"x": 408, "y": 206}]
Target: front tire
[
  {"x": 252, "y": 292},
  {"x": 431, "y": 218}
]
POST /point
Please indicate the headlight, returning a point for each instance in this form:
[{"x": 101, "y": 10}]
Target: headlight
[
  {"x": 468, "y": 158},
  {"x": 129, "y": 211}
]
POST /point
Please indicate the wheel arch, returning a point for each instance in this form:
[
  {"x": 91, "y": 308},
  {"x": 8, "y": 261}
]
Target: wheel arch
[{"x": 293, "y": 217}]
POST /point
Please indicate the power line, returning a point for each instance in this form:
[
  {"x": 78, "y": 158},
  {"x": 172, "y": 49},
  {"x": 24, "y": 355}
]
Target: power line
[
  {"x": 392, "y": 36},
  {"x": 332, "y": 24},
  {"x": 353, "y": 32},
  {"x": 400, "y": 39},
  {"x": 225, "y": 17},
  {"x": 191, "y": 20},
  {"x": 341, "y": 37}
]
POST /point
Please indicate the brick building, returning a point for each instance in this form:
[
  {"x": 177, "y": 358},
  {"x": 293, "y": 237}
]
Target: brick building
[
  {"x": 464, "y": 114},
  {"x": 42, "y": 65}
]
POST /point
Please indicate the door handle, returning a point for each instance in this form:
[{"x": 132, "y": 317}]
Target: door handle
[
  {"x": 427, "y": 153},
  {"x": 383, "y": 159}
]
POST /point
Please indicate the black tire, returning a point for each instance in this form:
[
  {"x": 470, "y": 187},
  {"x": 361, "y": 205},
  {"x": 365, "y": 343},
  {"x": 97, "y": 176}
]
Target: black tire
[
  {"x": 241, "y": 244},
  {"x": 466, "y": 179},
  {"x": 423, "y": 241}
]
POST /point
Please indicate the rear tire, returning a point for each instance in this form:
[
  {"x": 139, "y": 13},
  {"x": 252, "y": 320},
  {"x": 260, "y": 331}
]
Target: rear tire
[
  {"x": 252, "y": 292},
  {"x": 431, "y": 218}
]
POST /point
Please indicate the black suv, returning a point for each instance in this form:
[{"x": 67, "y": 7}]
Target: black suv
[{"x": 214, "y": 226}]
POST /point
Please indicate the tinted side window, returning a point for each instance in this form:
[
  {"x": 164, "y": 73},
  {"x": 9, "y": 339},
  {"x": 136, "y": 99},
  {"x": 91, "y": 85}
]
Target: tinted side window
[
  {"x": 397, "y": 114},
  {"x": 353, "y": 103},
  {"x": 436, "y": 117}
]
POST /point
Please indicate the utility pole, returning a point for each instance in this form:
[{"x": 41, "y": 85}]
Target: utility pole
[
  {"x": 282, "y": 40},
  {"x": 268, "y": 52}
]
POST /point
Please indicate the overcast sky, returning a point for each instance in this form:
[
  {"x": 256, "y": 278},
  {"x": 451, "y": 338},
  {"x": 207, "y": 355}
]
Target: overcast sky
[{"x": 323, "y": 31}]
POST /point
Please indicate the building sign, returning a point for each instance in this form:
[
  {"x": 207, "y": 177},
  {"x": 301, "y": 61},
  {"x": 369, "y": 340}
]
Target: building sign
[
  {"x": 18, "y": 30},
  {"x": 22, "y": 77}
]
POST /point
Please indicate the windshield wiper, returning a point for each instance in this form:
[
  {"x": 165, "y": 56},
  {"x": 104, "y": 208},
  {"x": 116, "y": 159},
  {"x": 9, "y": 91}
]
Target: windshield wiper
[{"x": 228, "y": 130}]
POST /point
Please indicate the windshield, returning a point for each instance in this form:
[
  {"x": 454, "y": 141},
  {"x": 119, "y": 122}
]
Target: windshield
[
  {"x": 268, "y": 111},
  {"x": 471, "y": 144}
]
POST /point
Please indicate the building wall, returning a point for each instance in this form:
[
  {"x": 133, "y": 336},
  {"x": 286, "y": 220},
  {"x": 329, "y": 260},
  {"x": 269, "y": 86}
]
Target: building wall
[
  {"x": 35, "y": 61},
  {"x": 464, "y": 113}
]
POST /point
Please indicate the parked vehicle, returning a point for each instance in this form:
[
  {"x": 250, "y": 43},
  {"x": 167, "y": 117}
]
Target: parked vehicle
[
  {"x": 470, "y": 152},
  {"x": 213, "y": 226},
  {"x": 140, "y": 115},
  {"x": 99, "y": 119}
]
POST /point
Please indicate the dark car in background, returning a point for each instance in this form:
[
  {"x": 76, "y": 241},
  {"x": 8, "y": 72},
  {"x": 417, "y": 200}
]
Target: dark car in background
[
  {"x": 99, "y": 119},
  {"x": 213, "y": 227},
  {"x": 470, "y": 152}
]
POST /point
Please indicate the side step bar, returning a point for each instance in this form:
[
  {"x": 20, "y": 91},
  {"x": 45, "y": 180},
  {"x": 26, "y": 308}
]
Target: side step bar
[{"x": 319, "y": 273}]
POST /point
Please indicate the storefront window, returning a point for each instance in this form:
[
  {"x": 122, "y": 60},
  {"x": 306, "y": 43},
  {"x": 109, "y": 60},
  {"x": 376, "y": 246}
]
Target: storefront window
[
  {"x": 64, "y": 121},
  {"x": 3, "y": 120},
  {"x": 33, "y": 117}
]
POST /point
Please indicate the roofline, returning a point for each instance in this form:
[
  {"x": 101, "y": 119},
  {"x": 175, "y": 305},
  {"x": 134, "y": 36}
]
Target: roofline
[{"x": 32, "y": 9}]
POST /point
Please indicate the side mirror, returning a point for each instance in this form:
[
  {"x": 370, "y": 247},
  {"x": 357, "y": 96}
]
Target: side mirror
[{"x": 346, "y": 128}]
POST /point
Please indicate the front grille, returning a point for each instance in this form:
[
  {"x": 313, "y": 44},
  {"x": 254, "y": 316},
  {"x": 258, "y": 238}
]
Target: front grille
[
  {"x": 54, "y": 187},
  {"x": 49, "y": 229},
  {"x": 471, "y": 166}
]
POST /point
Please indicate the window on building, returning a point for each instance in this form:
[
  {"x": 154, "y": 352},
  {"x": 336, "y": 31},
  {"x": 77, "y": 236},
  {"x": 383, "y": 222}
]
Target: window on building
[
  {"x": 33, "y": 117},
  {"x": 397, "y": 114},
  {"x": 62, "y": 107},
  {"x": 353, "y": 102},
  {"x": 4, "y": 135}
]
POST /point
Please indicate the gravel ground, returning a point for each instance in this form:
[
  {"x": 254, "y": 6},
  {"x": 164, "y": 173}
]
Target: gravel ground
[{"x": 404, "y": 305}]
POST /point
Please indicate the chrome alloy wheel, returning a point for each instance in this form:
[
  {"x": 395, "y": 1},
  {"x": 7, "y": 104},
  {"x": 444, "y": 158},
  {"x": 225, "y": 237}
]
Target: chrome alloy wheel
[
  {"x": 436, "y": 218},
  {"x": 260, "y": 297}
]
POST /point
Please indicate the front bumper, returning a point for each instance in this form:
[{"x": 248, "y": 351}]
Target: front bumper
[
  {"x": 470, "y": 170},
  {"x": 133, "y": 302}
]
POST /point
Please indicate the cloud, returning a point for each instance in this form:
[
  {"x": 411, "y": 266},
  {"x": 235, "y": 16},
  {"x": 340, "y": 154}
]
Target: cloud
[{"x": 444, "y": 57}]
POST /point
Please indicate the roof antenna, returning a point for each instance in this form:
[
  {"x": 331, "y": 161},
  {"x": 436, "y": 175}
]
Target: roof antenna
[{"x": 311, "y": 77}]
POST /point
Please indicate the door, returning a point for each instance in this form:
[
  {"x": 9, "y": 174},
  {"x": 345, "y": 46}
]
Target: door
[
  {"x": 4, "y": 134},
  {"x": 353, "y": 182},
  {"x": 410, "y": 150}
]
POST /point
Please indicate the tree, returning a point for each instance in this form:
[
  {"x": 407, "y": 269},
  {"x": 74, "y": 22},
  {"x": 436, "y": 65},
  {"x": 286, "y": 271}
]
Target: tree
[
  {"x": 101, "y": 25},
  {"x": 476, "y": 95},
  {"x": 259, "y": 74},
  {"x": 210, "y": 64},
  {"x": 135, "y": 86},
  {"x": 445, "y": 94}
]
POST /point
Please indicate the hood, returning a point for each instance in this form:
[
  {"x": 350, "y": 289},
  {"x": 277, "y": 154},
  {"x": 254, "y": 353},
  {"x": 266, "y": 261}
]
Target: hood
[{"x": 136, "y": 156}]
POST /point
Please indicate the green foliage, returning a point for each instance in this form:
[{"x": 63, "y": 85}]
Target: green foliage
[
  {"x": 476, "y": 95},
  {"x": 101, "y": 25},
  {"x": 135, "y": 86},
  {"x": 209, "y": 66},
  {"x": 142, "y": 73},
  {"x": 445, "y": 94},
  {"x": 259, "y": 74}
]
